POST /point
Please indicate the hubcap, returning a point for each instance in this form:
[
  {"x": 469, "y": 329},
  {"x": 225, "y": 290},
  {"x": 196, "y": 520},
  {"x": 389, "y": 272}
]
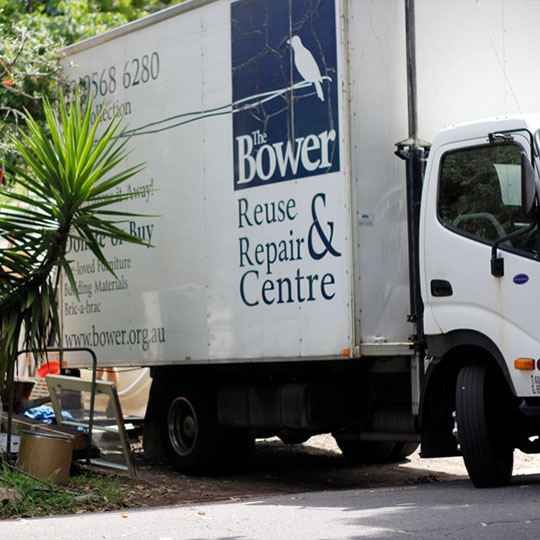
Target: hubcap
[{"x": 182, "y": 426}]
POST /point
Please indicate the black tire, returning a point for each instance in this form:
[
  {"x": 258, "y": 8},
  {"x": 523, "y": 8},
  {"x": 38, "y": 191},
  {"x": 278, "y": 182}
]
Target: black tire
[
  {"x": 193, "y": 439},
  {"x": 402, "y": 450},
  {"x": 294, "y": 438},
  {"x": 482, "y": 431},
  {"x": 365, "y": 452},
  {"x": 195, "y": 442}
]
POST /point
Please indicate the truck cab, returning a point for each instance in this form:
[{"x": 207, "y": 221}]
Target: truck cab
[{"x": 479, "y": 270}]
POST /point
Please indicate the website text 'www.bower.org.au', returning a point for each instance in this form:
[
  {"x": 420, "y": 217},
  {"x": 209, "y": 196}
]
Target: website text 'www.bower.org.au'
[{"x": 142, "y": 337}]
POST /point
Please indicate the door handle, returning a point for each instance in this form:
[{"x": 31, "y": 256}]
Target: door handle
[{"x": 441, "y": 287}]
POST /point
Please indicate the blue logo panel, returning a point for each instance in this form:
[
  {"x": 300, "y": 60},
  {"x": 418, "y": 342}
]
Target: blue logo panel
[
  {"x": 285, "y": 90},
  {"x": 521, "y": 279}
]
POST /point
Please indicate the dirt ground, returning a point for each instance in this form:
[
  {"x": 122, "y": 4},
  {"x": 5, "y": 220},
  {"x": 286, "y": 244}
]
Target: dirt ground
[{"x": 276, "y": 468}]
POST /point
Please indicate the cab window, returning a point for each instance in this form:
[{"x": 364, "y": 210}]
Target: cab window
[{"x": 480, "y": 194}]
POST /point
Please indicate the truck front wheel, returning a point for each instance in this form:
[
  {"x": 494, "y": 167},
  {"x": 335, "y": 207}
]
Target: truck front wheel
[{"x": 481, "y": 429}]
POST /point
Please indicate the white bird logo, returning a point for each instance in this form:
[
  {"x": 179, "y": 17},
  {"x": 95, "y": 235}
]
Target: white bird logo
[{"x": 306, "y": 65}]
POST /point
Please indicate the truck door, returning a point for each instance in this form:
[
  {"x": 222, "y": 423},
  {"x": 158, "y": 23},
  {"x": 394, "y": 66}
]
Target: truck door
[{"x": 475, "y": 201}]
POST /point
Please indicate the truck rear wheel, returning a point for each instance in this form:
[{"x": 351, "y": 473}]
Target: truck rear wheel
[
  {"x": 195, "y": 442},
  {"x": 487, "y": 453},
  {"x": 366, "y": 452},
  {"x": 294, "y": 438},
  {"x": 191, "y": 434},
  {"x": 402, "y": 450},
  {"x": 369, "y": 452}
]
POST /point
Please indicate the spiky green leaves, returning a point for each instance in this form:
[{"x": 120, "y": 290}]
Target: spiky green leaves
[{"x": 67, "y": 190}]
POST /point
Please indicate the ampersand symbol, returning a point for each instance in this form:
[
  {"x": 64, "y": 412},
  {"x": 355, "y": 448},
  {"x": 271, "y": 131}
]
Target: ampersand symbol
[{"x": 326, "y": 240}]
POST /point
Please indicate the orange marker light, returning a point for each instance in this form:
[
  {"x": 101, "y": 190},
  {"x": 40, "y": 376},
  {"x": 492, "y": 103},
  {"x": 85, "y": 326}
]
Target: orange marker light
[
  {"x": 346, "y": 352},
  {"x": 524, "y": 363}
]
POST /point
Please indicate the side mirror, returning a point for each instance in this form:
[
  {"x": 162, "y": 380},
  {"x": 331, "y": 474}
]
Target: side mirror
[{"x": 530, "y": 185}]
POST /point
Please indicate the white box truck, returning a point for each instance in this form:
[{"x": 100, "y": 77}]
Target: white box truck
[{"x": 296, "y": 284}]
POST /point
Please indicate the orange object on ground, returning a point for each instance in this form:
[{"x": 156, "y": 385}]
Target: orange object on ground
[{"x": 51, "y": 368}]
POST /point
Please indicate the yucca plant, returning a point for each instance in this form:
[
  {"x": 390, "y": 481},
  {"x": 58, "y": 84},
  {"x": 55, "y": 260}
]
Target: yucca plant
[{"x": 67, "y": 190}]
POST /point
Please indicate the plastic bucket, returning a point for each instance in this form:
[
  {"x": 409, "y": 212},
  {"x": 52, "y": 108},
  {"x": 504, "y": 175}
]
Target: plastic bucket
[
  {"x": 46, "y": 455},
  {"x": 51, "y": 368}
]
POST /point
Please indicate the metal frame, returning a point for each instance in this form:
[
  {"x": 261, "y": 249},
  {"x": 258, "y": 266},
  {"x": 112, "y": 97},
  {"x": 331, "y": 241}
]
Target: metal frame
[{"x": 55, "y": 382}]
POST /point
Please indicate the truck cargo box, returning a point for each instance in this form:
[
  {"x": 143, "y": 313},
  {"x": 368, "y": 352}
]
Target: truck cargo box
[{"x": 278, "y": 209}]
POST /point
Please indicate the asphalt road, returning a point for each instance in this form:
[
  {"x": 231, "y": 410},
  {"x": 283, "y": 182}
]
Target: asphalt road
[{"x": 449, "y": 510}]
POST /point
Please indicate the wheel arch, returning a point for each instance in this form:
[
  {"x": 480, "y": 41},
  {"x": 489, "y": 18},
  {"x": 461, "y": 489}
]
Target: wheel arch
[{"x": 448, "y": 346}]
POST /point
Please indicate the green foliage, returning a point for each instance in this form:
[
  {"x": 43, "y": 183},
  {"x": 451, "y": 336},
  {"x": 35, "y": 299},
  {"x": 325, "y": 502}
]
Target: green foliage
[
  {"x": 68, "y": 188},
  {"x": 86, "y": 492},
  {"x": 29, "y": 69},
  {"x": 104, "y": 488},
  {"x": 73, "y": 20},
  {"x": 30, "y": 50}
]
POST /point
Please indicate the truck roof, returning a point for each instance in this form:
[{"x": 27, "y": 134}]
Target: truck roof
[{"x": 480, "y": 128}]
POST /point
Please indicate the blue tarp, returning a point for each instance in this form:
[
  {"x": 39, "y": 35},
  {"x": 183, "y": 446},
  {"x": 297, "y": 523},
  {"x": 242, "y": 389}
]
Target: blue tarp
[{"x": 45, "y": 414}]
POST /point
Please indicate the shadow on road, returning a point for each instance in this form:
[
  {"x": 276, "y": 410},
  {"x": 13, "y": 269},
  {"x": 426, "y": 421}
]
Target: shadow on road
[{"x": 275, "y": 468}]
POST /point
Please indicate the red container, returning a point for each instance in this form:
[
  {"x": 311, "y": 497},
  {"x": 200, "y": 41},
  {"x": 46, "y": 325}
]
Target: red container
[{"x": 50, "y": 368}]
